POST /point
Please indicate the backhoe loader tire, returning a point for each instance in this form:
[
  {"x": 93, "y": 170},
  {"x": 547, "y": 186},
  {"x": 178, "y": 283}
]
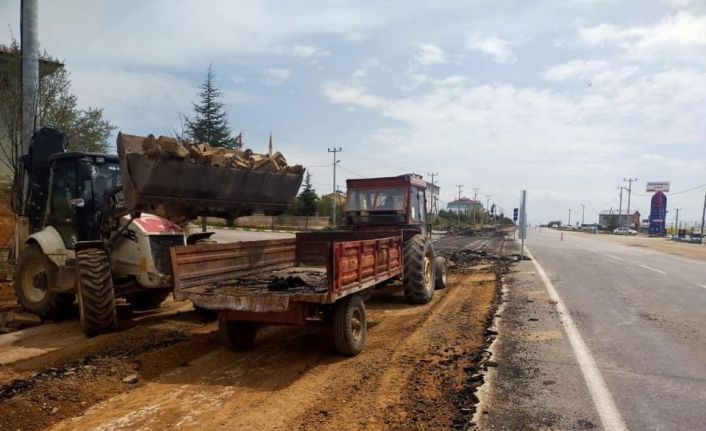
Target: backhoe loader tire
[
  {"x": 419, "y": 271},
  {"x": 96, "y": 297},
  {"x": 35, "y": 277},
  {"x": 147, "y": 299}
]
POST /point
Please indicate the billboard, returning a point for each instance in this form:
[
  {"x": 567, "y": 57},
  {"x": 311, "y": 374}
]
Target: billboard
[
  {"x": 658, "y": 186},
  {"x": 658, "y": 214}
]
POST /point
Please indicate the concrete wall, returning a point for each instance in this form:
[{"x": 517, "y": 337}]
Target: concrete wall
[{"x": 286, "y": 221}]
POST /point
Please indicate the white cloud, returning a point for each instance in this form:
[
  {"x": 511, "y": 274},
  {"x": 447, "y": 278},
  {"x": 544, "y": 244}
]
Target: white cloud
[
  {"x": 681, "y": 35},
  {"x": 510, "y": 131},
  {"x": 274, "y": 77},
  {"x": 428, "y": 54},
  {"x": 500, "y": 50},
  {"x": 308, "y": 51},
  {"x": 574, "y": 68}
]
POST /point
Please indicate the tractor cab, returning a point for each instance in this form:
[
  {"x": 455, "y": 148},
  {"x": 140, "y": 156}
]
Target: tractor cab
[
  {"x": 387, "y": 202},
  {"x": 81, "y": 188}
]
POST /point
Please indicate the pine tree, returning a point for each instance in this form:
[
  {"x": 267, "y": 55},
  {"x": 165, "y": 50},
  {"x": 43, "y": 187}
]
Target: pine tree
[
  {"x": 308, "y": 200},
  {"x": 209, "y": 123}
]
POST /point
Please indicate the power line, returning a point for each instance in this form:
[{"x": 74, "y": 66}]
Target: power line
[{"x": 352, "y": 172}]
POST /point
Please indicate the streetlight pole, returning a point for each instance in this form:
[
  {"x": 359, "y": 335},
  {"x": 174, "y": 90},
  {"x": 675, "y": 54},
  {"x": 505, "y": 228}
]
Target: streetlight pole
[
  {"x": 620, "y": 208},
  {"x": 569, "y": 223},
  {"x": 583, "y": 211},
  {"x": 333, "y": 196}
]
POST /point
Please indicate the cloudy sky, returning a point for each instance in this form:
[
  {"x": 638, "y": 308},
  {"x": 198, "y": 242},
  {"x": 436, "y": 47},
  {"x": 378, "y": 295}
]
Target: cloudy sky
[{"x": 561, "y": 98}]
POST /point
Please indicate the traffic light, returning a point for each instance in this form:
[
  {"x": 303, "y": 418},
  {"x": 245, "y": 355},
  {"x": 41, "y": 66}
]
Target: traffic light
[{"x": 514, "y": 214}]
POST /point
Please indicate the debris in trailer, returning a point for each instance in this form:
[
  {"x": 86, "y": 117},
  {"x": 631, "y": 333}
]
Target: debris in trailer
[{"x": 281, "y": 284}]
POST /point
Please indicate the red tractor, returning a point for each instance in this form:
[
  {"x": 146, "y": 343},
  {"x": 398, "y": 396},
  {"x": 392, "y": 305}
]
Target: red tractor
[{"x": 399, "y": 203}]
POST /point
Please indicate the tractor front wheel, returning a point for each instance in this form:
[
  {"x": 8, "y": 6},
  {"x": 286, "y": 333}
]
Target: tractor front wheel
[{"x": 96, "y": 297}]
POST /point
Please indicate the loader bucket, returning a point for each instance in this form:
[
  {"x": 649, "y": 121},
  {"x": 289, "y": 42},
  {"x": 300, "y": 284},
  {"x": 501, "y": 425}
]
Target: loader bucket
[{"x": 179, "y": 188}]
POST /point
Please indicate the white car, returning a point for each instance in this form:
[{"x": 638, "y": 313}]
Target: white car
[{"x": 624, "y": 231}]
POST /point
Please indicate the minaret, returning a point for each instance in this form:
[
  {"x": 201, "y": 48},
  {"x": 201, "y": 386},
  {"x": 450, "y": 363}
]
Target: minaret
[{"x": 270, "y": 146}]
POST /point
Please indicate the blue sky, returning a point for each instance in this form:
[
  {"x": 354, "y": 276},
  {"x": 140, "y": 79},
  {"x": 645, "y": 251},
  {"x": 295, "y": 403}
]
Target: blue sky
[{"x": 562, "y": 98}]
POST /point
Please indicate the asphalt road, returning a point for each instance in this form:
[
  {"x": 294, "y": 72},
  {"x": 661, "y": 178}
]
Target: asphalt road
[{"x": 642, "y": 315}]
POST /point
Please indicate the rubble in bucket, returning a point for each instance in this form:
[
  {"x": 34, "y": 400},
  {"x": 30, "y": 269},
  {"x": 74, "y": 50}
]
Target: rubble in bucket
[{"x": 203, "y": 153}]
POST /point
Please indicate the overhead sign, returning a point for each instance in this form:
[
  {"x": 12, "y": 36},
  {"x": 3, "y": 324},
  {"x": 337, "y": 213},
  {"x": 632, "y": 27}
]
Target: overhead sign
[{"x": 658, "y": 186}]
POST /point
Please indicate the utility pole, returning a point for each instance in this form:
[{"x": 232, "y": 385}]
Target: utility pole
[
  {"x": 433, "y": 196},
  {"x": 676, "y": 222},
  {"x": 487, "y": 205},
  {"x": 629, "y": 181},
  {"x": 703, "y": 218},
  {"x": 583, "y": 211},
  {"x": 334, "y": 150},
  {"x": 620, "y": 208},
  {"x": 475, "y": 207},
  {"x": 458, "y": 202},
  {"x": 569, "y": 223}
]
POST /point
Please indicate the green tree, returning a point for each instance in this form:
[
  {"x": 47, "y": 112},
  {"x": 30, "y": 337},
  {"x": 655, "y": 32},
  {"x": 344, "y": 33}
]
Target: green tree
[
  {"x": 209, "y": 123},
  {"x": 56, "y": 105},
  {"x": 324, "y": 206},
  {"x": 308, "y": 200}
]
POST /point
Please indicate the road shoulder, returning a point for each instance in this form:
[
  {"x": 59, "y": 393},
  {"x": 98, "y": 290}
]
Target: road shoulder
[{"x": 537, "y": 383}]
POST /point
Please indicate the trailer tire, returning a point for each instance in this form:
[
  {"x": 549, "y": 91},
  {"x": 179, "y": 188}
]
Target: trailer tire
[
  {"x": 96, "y": 296},
  {"x": 240, "y": 335},
  {"x": 35, "y": 276},
  {"x": 441, "y": 268},
  {"x": 419, "y": 271},
  {"x": 350, "y": 325},
  {"x": 148, "y": 299}
]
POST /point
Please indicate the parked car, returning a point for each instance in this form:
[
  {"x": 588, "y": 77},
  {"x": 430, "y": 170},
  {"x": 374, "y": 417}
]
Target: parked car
[{"x": 624, "y": 231}]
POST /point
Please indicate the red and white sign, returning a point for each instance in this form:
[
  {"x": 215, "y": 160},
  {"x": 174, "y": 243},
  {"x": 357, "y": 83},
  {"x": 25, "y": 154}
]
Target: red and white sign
[{"x": 157, "y": 225}]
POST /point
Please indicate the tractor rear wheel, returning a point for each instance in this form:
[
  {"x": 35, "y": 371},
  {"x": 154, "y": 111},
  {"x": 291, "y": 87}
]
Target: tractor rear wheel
[
  {"x": 96, "y": 297},
  {"x": 35, "y": 277},
  {"x": 419, "y": 271}
]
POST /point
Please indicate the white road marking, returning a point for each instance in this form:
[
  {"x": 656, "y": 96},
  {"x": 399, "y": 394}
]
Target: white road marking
[
  {"x": 614, "y": 257},
  {"x": 611, "y": 418},
  {"x": 653, "y": 269}
]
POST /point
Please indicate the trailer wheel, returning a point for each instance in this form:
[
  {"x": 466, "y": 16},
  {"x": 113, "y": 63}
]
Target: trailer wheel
[
  {"x": 350, "y": 325},
  {"x": 240, "y": 335},
  {"x": 35, "y": 276},
  {"x": 441, "y": 268},
  {"x": 418, "y": 270},
  {"x": 148, "y": 299},
  {"x": 96, "y": 297}
]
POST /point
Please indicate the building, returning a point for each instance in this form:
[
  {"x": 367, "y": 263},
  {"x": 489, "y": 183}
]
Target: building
[
  {"x": 610, "y": 219},
  {"x": 464, "y": 205},
  {"x": 340, "y": 197}
]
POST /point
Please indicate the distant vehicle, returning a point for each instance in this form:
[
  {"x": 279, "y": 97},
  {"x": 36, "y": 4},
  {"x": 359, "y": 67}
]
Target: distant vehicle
[
  {"x": 624, "y": 231},
  {"x": 696, "y": 234}
]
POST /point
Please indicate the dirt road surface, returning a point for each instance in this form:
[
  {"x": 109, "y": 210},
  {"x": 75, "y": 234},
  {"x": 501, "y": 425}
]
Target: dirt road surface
[{"x": 170, "y": 370}]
